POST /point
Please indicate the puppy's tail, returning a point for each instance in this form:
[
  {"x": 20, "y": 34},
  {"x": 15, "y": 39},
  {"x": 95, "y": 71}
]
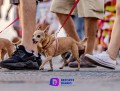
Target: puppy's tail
[
  {"x": 17, "y": 43},
  {"x": 10, "y": 49},
  {"x": 81, "y": 45},
  {"x": 84, "y": 41}
]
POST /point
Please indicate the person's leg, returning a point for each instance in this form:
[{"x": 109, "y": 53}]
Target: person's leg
[
  {"x": 28, "y": 23},
  {"x": 90, "y": 33},
  {"x": 93, "y": 11},
  {"x": 114, "y": 45},
  {"x": 108, "y": 59},
  {"x": 23, "y": 57},
  {"x": 90, "y": 27},
  {"x": 69, "y": 26}
]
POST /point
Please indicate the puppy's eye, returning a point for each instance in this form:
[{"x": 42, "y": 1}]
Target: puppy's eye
[{"x": 38, "y": 36}]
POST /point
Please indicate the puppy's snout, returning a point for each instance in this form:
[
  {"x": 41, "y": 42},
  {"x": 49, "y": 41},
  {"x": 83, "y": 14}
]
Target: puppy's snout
[{"x": 33, "y": 39}]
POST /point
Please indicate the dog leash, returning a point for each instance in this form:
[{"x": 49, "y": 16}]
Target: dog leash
[
  {"x": 73, "y": 7},
  {"x": 10, "y": 24}
]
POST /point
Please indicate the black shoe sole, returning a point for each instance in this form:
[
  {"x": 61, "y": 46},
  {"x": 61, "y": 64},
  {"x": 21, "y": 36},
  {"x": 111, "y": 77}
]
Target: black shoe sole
[
  {"x": 11, "y": 66},
  {"x": 19, "y": 66},
  {"x": 83, "y": 66}
]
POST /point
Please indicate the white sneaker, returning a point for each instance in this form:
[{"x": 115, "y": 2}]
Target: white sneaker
[{"x": 103, "y": 59}]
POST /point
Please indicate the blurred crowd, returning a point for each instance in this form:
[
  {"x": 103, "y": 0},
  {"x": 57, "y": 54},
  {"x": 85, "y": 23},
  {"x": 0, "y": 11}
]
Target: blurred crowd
[{"x": 106, "y": 25}]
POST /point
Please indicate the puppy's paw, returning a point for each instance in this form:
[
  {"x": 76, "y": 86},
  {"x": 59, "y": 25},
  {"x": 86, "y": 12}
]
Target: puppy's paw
[
  {"x": 61, "y": 68},
  {"x": 50, "y": 70},
  {"x": 41, "y": 68},
  {"x": 77, "y": 69}
]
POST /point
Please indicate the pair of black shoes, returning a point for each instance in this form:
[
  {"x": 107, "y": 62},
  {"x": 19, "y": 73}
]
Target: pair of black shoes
[{"x": 22, "y": 60}]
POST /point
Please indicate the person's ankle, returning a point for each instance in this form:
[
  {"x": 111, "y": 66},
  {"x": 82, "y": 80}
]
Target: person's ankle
[
  {"x": 31, "y": 48},
  {"x": 88, "y": 53},
  {"x": 113, "y": 58}
]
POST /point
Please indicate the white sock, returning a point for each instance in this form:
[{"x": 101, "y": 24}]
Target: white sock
[
  {"x": 28, "y": 51},
  {"x": 36, "y": 55}
]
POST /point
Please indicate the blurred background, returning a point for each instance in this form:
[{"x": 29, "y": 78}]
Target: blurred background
[
  {"x": 8, "y": 33},
  {"x": 10, "y": 12}
]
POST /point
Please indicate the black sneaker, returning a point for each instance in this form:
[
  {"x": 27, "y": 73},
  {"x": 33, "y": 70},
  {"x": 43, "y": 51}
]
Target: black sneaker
[{"x": 22, "y": 60}]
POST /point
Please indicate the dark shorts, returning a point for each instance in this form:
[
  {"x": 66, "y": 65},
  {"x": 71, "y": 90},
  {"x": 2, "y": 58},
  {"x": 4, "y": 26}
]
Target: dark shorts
[{"x": 16, "y": 2}]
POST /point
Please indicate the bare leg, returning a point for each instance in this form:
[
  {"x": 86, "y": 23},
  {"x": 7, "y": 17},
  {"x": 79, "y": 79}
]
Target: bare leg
[
  {"x": 69, "y": 26},
  {"x": 90, "y": 33},
  {"x": 27, "y": 15},
  {"x": 114, "y": 43}
]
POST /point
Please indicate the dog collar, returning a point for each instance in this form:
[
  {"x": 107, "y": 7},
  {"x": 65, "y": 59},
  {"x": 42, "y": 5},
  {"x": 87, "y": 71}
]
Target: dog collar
[{"x": 47, "y": 45}]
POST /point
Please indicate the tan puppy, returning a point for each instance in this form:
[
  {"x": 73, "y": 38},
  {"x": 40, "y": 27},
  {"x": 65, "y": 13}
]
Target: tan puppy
[
  {"x": 48, "y": 44},
  {"x": 5, "y": 47}
]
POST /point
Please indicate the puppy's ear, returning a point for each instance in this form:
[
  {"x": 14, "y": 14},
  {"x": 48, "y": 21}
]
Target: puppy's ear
[
  {"x": 38, "y": 27},
  {"x": 47, "y": 29}
]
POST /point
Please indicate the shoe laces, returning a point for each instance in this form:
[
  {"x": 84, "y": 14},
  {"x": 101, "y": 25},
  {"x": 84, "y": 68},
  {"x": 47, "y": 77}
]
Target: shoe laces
[
  {"x": 17, "y": 52},
  {"x": 103, "y": 56}
]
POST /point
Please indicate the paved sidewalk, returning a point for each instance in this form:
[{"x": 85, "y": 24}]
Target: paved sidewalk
[{"x": 93, "y": 79}]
